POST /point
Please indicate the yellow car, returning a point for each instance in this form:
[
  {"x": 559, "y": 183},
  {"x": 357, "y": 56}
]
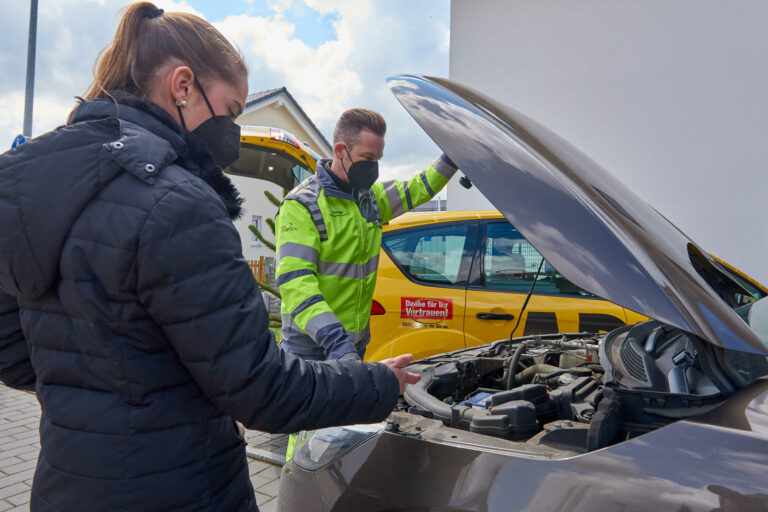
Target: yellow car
[{"x": 452, "y": 280}]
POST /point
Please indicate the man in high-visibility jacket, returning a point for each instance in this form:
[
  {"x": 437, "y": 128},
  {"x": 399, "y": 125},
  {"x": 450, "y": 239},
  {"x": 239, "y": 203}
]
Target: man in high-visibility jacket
[
  {"x": 328, "y": 240},
  {"x": 329, "y": 235}
]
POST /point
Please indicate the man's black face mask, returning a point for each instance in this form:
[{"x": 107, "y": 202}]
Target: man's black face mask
[
  {"x": 363, "y": 173},
  {"x": 220, "y": 134}
]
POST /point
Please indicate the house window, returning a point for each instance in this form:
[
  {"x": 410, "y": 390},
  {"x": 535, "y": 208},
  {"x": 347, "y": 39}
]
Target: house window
[{"x": 255, "y": 221}]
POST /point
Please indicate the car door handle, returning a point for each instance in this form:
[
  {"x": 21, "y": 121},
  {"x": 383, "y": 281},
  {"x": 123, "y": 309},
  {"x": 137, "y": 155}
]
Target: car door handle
[{"x": 495, "y": 316}]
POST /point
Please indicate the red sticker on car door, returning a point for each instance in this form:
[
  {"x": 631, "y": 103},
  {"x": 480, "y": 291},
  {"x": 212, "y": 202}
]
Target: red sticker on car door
[{"x": 427, "y": 309}]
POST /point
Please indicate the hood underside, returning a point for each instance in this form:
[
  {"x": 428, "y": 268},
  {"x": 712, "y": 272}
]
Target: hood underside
[{"x": 599, "y": 234}]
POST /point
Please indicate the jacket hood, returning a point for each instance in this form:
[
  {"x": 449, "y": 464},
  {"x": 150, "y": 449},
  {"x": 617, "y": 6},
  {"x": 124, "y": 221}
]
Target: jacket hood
[
  {"x": 599, "y": 234},
  {"x": 46, "y": 182},
  {"x": 192, "y": 152}
]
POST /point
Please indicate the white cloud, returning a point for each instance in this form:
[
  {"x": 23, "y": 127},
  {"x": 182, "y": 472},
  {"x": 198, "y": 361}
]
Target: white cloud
[
  {"x": 369, "y": 41},
  {"x": 48, "y": 112},
  {"x": 372, "y": 41},
  {"x": 183, "y": 6},
  {"x": 398, "y": 172},
  {"x": 319, "y": 76}
]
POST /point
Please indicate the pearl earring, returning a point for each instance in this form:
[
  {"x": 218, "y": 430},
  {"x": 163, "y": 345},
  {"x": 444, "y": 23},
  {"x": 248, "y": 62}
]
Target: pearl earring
[{"x": 182, "y": 103}]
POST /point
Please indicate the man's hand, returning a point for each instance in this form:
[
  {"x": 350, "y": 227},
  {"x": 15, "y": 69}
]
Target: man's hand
[{"x": 403, "y": 377}]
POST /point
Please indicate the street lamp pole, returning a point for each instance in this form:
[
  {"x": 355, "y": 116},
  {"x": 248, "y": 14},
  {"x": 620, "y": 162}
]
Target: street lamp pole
[{"x": 30, "y": 91}]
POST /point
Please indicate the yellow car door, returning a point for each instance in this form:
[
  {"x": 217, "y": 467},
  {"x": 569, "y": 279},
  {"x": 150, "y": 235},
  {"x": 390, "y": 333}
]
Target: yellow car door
[
  {"x": 504, "y": 268},
  {"x": 420, "y": 293}
]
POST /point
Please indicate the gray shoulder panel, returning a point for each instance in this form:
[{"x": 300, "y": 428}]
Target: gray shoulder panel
[{"x": 307, "y": 194}]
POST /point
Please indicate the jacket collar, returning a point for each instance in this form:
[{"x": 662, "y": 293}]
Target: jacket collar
[
  {"x": 365, "y": 200},
  {"x": 330, "y": 183},
  {"x": 191, "y": 152},
  {"x": 133, "y": 109}
]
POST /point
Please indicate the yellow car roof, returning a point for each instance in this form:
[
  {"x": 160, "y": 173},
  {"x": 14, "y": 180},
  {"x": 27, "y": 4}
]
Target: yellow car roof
[{"x": 419, "y": 219}]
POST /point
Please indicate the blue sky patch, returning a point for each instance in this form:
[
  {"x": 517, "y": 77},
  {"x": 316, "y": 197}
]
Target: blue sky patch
[
  {"x": 312, "y": 27},
  {"x": 215, "y": 10}
]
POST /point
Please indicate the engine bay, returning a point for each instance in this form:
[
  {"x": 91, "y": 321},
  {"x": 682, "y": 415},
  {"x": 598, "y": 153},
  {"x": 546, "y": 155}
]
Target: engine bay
[{"x": 576, "y": 392}]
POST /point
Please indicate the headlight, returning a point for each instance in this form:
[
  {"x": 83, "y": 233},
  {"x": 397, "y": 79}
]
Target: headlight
[{"x": 319, "y": 448}]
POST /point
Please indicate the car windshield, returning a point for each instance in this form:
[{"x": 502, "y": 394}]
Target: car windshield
[
  {"x": 752, "y": 288},
  {"x": 752, "y": 366}
]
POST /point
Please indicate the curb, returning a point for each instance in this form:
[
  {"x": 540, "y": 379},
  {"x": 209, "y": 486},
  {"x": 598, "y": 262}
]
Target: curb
[{"x": 264, "y": 455}]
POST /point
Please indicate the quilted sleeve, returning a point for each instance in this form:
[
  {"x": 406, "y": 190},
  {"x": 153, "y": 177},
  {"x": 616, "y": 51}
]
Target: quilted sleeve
[{"x": 196, "y": 285}]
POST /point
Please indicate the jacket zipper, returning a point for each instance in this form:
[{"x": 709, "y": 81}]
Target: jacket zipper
[{"x": 361, "y": 223}]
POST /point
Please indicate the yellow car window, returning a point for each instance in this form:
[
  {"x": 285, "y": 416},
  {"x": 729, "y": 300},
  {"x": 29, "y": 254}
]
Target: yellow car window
[{"x": 431, "y": 254}]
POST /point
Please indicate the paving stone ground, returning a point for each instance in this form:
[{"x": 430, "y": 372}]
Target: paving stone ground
[
  {"x": 19, "y": 446},
  {"x": 266, "y": 447}
]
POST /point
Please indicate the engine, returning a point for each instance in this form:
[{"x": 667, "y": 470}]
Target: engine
[{"x": 578, "y": 392}]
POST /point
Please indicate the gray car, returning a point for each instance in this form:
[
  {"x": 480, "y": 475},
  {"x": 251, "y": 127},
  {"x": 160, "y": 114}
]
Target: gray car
[{"x": 669, "y": 414}]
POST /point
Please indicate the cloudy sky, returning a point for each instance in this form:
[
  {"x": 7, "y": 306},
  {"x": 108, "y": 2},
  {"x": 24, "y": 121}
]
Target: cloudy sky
[
  {"x": 330, "y": 54},
  {"x": 336, "y": 54}
]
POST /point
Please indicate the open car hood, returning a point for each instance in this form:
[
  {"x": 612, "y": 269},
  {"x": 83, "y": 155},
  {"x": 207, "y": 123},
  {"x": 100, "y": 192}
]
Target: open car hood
[{"x": 593, "y": 229}]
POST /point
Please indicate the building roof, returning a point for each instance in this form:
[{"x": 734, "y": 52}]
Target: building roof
[{"x": 258, "y": 97}]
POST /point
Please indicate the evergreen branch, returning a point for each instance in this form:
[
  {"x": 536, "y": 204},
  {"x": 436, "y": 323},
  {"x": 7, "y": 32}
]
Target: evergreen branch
[
  {"x": 263, "y": 240},
  {"x": 271, "y": 224},
  {"x": 272, "y": 199},
  {"x": 269, "y": 289}
]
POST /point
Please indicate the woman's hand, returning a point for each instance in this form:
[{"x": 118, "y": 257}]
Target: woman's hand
[{"x": 403, "y": 377}]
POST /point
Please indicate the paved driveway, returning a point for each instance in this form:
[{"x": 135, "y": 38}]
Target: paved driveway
[{"x": 19, "y": 445}]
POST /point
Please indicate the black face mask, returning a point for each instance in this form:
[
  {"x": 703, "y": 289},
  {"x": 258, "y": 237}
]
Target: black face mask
[
  {"x": 220, "y": 134},
  {"x": 363, "y": 173}
]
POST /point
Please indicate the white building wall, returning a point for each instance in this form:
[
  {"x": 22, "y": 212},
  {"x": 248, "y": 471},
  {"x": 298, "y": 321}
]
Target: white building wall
[
  {"x": 255, "y": 204},
  {"x": 670, "y": 97},
  {"x": 462, "y": 199}
]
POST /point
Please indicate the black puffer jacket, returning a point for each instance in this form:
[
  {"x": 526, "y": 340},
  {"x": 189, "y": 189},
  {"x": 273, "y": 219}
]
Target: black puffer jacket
[{"x": 145, "y": 330}]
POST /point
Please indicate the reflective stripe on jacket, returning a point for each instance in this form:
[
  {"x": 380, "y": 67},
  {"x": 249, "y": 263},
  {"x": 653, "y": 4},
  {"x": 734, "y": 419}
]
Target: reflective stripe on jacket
[{"x": 328, "y": 254}]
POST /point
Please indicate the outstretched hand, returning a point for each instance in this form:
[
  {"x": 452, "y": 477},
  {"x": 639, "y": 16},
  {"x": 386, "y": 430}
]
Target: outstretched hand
[{"x": 403, "y": 377}]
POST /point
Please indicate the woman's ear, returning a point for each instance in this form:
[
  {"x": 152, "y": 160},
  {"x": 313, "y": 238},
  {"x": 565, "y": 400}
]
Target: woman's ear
[{"x": 182, "y": 81}]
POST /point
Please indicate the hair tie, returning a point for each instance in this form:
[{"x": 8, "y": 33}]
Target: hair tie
[{"x": 157, "y": 13}]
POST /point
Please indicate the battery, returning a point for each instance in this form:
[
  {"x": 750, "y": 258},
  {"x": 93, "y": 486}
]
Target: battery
[{"x": 478, "y": 399}]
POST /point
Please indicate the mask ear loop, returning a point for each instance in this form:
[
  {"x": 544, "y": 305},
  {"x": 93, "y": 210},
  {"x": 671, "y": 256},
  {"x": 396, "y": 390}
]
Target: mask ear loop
[
  {"x": 181, "y": 116},
  {"x": 342, "y": 162},
  {"x": 202, "y": 91}
]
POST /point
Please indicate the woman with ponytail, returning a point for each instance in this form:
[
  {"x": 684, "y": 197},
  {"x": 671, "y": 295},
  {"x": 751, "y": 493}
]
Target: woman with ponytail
[{"x": 125, "y": 301}]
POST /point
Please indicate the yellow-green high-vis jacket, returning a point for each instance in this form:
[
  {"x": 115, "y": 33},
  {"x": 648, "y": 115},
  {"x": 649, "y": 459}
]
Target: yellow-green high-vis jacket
[{"x": 328, "y": 255}]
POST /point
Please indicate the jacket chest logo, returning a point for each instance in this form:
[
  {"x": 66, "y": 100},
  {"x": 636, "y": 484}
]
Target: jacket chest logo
[{"x": 337, "y": 213}]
